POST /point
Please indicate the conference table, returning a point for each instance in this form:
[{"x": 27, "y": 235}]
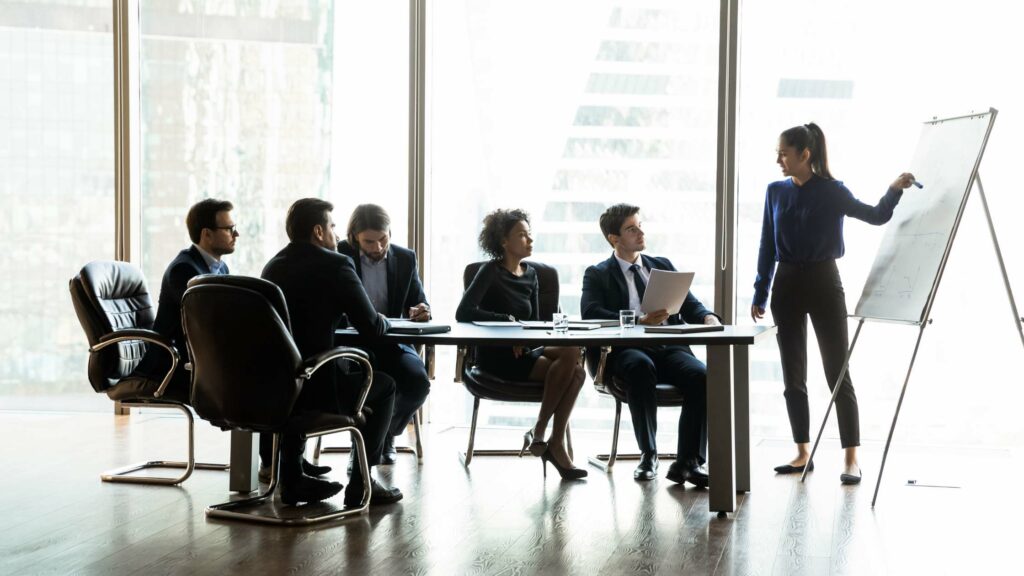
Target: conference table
[{"x": 728, "y": 385}]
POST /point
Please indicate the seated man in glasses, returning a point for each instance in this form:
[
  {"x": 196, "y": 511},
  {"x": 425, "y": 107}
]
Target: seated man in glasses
[
  {"x": 322, "y": 289},
  {"x": 213, "y": 235},
  {"x": 392, "y": 281}
]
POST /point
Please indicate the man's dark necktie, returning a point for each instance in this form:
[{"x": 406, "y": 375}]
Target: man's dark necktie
[{"x": 638, "y": 281}]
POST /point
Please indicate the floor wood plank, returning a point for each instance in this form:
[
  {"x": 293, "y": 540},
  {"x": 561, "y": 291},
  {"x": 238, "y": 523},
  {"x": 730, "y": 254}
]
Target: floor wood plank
[{"x": 499, "y": 517}]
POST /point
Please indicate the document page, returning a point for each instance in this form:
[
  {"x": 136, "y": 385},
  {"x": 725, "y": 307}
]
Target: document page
[{"x": 666, "y": 291}]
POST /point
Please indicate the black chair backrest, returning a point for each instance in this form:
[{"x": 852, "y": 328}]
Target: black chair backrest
[
  {"x": 244, "y": 361},
  {"x": 110, "y": 296},
  {"x": 269, "y": 290},
  {"x": 547, "y": 279}
]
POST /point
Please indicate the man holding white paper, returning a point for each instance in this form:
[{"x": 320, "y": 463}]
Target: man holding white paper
[{"x": 619, "y": 283}]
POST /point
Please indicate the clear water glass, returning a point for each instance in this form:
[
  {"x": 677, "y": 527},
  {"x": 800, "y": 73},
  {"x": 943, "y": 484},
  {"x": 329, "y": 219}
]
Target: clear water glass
[
  {"x": 627, "y": 319},
  {"x": 560, "y": 323}
]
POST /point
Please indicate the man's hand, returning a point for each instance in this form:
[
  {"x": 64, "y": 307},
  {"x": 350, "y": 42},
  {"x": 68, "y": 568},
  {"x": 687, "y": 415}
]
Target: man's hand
[
  {"x": 653, "y": 318},
  {"x": 712, "y": 320},
  {"x": 756, "y": 312},
  {"x": 518, "y": 351},
  {"x": 419, "y": 313}
]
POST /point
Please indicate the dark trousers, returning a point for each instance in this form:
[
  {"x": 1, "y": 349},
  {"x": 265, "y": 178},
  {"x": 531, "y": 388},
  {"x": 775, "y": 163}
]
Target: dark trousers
[
  {"x": 411, "y": 383},
  {"x": 641, "y": 369},
  {"x": 380, "y": 400},
  {"x": 814, "y": 290}
]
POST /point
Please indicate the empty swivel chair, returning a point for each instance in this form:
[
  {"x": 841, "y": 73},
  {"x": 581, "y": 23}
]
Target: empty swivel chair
[{"x": 115, "y": 310}]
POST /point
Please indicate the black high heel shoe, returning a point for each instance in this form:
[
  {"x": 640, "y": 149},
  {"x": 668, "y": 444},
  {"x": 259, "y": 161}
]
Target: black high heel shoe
[
  {"x": 570, "y": 473},
  {"x": 536, "y": 447}
]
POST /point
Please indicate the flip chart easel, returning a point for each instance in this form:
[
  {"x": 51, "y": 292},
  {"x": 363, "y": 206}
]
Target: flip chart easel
[{"x": 910, "y": 262}]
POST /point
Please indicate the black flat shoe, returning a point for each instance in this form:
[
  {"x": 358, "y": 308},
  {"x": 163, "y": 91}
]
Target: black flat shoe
[
  {"x": 790, "y": 469},
  {"x": 850, "y": 479},
  {"x": 647, "y": 469},
  {"x": 680, "y": 472},
  {"x": 306, "y": 489},
  {"x": 378, "y": 494}
]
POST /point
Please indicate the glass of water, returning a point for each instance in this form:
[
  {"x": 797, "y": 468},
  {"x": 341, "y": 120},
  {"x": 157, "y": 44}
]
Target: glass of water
[
  {"x": 560, "y": 322},
  {"x": 627, "y": 319}
]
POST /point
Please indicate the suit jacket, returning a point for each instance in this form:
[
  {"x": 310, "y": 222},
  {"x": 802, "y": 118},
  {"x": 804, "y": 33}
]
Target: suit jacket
[
  {"x": 404, "y": 287},
  {"x": 321, "y": 288},
  {"x": 605, "y": 293},
  {"x": 188, "y": 264}
]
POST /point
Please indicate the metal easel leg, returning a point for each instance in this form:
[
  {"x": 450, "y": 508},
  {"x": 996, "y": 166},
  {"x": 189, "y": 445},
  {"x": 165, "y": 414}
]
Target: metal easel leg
[
  {"x": 896, "y": 416},
  {"x": 835, "y": 392},
  {"x": 999, "y": 256}
]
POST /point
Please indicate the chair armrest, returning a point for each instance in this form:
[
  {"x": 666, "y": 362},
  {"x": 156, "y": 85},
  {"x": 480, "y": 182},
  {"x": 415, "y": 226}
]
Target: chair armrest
[
  {"x": 315, "y": 362},
  {"x": 146, "y": 336},
  {"x": 427, "y": 354},
  {"x": 601, "y": 364},
  {"x": 460, "y": 362}
]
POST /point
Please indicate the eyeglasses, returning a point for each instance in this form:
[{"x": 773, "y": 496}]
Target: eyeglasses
[{"x": 232, "y": 229}]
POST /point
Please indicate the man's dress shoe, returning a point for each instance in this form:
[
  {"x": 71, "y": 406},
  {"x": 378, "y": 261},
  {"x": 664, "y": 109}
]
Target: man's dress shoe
[
  {"x": 680, "y": 472},
  {"x": 378, "y": 494},
  {"x": 308, "y": 468},
  {"x": 306, "y": 489},
  {"x": 648, "y": 467},
  {"x": 390, "y": 454}
]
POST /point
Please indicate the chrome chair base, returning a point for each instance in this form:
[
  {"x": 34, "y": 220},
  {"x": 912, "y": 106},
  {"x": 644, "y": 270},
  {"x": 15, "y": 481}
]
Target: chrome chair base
[
  {"x": 246, "y": 509},
  {"x": 467, "y": 457},
  {"x": 124, "y": 474},
  {"x": 606, "y": 461},
  {"x": 417, "y": 450}
]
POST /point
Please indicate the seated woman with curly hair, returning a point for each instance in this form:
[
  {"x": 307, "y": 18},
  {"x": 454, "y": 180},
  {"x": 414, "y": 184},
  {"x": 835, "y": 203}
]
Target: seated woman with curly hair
[{"x": 506, "y": 288}]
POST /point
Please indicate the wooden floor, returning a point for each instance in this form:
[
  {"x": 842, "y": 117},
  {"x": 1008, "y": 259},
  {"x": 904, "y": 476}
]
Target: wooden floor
[{"x": 501, "y": 517}]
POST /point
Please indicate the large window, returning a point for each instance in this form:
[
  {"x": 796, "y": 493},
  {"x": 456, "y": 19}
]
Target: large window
[
  {"x": 56, "y": 192},
  {"x": 869, "y": 81},
  {"x": 370, "y": 111},
  {"x": 564, "y": 109},
  {"x": 235, "y": 104}
]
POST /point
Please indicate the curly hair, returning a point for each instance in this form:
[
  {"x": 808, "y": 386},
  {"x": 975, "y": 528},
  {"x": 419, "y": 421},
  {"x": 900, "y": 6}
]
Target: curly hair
[{"x": 497, "y": 225}]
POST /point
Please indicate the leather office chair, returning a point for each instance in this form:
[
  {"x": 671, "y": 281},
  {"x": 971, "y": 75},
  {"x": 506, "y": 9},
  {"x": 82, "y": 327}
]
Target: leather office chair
[
  {"x": 247, "y": 375},
  {"x": 116, "y": 313},
  {"x": 667, "y": 395},
  {"x": 487, "y": 386}
]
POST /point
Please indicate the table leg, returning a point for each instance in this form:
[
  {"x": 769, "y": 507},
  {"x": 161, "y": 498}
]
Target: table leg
[
  {"x": 741, "y": 401},
  {"x": 245, "y": 458},
  {"x": 721, "y": 430}
]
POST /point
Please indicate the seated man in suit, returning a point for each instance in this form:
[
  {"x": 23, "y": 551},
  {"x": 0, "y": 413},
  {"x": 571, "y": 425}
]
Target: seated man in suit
[
  {"x": 392, "y": 282},
  {"x": 213, "y": 235},
  {"x": 617, "y": 284},
  {"x": 321, "y": 289}
]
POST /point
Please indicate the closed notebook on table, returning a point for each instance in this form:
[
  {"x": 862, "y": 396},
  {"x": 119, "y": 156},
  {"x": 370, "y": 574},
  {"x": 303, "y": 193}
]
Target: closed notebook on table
[
  {"x": 402, "y": 326},
  {"x": 683, "y": 329}
]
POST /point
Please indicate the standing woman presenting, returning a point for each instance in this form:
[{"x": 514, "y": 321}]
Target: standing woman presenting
[{"x": 803, "y": 232}]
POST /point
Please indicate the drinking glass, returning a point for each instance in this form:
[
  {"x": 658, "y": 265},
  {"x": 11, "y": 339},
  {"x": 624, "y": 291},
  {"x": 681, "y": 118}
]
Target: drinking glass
[
  {"x": 627, "y": 319},
  {"x": 560, "y": 322}
]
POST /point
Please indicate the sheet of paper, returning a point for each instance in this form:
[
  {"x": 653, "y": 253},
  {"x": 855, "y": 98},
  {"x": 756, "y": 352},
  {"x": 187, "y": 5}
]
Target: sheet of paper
[{"x": 666, "y": 291}]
